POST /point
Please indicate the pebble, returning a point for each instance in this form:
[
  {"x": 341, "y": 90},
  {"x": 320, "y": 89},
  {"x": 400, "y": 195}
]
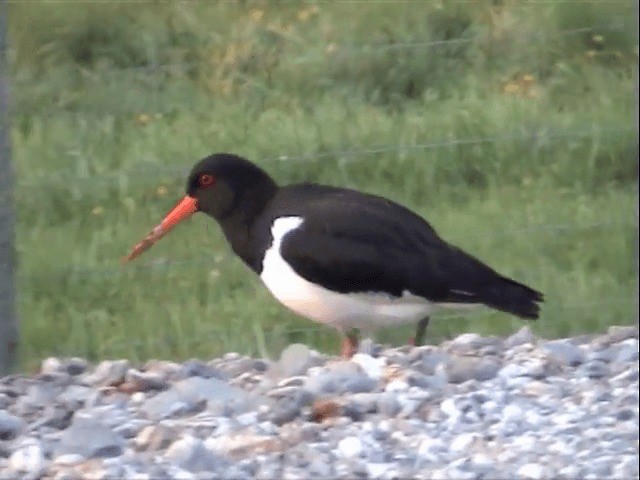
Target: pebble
[
  {"x": 350, "y": 447},
  {"x": 474, "y": 407},
  {"x": 10, "y": 426}
]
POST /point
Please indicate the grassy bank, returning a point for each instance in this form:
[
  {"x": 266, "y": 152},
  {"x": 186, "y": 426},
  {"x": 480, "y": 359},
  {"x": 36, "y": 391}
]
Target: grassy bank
[{"x": 511, "y": 128}]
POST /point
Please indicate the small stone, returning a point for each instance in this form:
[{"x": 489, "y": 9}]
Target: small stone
[
  {"x": 625, "y": 414},
  {"x": 448, "y": 406},
  {"x": 76, "y": 366},
  {"x": 532, "y": 471},
  {"x": 51, "y": 365},
  {"x": 340, "y": 377},
  {"x": 595, "y": 369},
  {"x": 462, "y": 442},
  {"x": 198, "y": 368},
  {"x": 155, "y": 437},
  {"x": 388, "y": 404},
  {"x": 69, "y": 459},
  {"x": 296, "y": 359},
  {"x": 138, "y": 381},
  {"x": 109, "y": 373},
  {"x": 10, "y": 426},
  {"x": 74, "y": 397},
  {"x": 350, "y": 447},
  {"x": 397, "y": 385},
  {"x": 565, "y": 352},
  {"x": 190, "y": 454},
  {"x": 373, "y": 367},
  {"x": 284, "y": 411},
  {"x": 462, "y": 369},
  {"x": 617, "y": 334},
  {"x": 512, "y": 413},
  {"x": 522, "y": 336},
  {"x": 430, "y": 361},
  {"x": 628, "y": 351},
  {"x": 90, "y": 438},
  {"x": 29, "y": 459}
]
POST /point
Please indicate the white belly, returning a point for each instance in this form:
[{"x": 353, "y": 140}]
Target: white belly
[{"x": 353, "y": 310}]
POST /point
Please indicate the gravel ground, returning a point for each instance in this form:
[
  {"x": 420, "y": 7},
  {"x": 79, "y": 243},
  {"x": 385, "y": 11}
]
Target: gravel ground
[{"x": 474, "y": 407}]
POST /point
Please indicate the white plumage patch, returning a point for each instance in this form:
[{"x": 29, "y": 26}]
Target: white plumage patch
[{"x": 364, "y": 311}]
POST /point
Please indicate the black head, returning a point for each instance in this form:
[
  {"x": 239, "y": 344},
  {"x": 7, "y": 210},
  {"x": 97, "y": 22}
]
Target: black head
[
  {"x": 229, "y": 188},
  {"x": 225, "y": 184}
]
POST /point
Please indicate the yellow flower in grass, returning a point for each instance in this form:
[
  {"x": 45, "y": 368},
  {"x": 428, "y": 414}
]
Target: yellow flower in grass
[
  {"x": 161, "y": 191},
  {"x": 256, "y": 14},
  {"x": 306, "y": 13},
  {"x": 97, "y": 211},
  {"x": 143, "y": 119}
]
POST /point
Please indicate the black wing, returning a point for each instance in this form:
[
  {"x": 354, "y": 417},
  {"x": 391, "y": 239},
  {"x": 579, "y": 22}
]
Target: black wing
[{"x": 352, "y": 242}]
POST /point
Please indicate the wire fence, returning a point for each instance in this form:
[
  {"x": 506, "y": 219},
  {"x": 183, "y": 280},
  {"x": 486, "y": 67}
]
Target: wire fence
[{"x": 59, "y": 179}]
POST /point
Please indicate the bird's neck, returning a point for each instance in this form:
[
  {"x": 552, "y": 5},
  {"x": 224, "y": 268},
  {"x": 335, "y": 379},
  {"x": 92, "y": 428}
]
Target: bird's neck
[{"x": 237, "y": 226}]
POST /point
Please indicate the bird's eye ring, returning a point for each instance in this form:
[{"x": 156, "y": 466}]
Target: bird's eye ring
[{"x": 206, "y": 180}]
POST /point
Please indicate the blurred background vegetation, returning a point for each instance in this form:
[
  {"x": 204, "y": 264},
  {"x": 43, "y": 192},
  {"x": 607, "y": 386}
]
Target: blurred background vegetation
[{"x": 510, "y": 125}]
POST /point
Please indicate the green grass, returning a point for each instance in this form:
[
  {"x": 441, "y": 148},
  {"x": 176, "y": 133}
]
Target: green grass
[{"x": 516, "y": 141}]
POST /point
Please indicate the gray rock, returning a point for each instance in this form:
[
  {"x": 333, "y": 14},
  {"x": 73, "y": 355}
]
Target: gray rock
[
  {"x": 144, "y": 381},
  {"x": 284, "y": 411},
  {"x": 369, "y": 347},
  {"x": 131, "y": 428},
  {"x": 29, "y": 460},
  {"x": 341, "y": 377},
  {"x": 522, "y": 336},
  {"x": 627, "y": 351},
  {"x": 430, "y": 361},
  {"x": 42, "y": 394},
  {"x": 90, "y": 438},
  {"x": 625, "y": 414},
  {"x": 617, "y": 334},
  {"x": 155, "y": 437},
  {"x": 388, "y": 405},
  {"x": 193, "y": 394},
  {"x": 565, "y": 352},
  {"x": 54, "y": 416},
  {"x": 294, "y": 360},
  {"x": 462, "y": 369},
  {"x": 108, "y": 372},
  {"x": 594, "y": 369},
  {"x": 350, "y": 447},
  {"x": 191, "y": 454},
  {"x": 74, "y": 397},
  {"x": 198, "y": 368},
  {"x": 10, "y": 426}
]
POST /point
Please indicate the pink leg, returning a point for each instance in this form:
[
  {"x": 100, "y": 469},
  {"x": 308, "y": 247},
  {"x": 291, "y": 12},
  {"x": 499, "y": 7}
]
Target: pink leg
[{"x": 349, "y": 346}]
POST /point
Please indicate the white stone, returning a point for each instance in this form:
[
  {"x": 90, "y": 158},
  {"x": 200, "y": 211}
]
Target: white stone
[
  {"x": 350, "y": 447},
  {"x": 377, "y": 470},
  {"x": 68, "y": 459},
  {"x": 448, "y": 406},
  {"x": 29, "y": 459},
  {"x": 373, "y": 367},
  {"x": 428, "y": 446},
  {"x": 512, "y": 413},
  {"x": 462, "y": 442},
  {"x": 531, "y": 470},
  {"x": 397, "y": 386}
]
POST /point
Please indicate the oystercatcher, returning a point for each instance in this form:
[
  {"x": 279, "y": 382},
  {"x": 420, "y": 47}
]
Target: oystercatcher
[{"x": 337, "y": 256}]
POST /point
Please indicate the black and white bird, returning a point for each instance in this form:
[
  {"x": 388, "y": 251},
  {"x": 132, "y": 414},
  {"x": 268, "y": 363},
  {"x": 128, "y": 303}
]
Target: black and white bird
[{"x": 347, "y": 259}]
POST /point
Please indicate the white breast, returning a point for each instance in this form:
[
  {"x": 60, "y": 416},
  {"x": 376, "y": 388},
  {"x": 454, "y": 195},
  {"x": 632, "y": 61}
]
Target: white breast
[{"x": 365, "y": 311}]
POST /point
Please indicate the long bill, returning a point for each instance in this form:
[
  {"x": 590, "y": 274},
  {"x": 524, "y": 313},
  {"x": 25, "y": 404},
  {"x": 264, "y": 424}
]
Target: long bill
[{"x": 183, "y": 210}]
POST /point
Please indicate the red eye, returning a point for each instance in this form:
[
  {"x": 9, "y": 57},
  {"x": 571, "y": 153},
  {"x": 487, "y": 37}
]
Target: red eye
[{"x": 206, "y": 180}]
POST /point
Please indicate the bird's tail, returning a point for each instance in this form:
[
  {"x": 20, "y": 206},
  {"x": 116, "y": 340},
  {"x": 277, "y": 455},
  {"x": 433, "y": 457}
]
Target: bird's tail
[{"x": 512, "y": 297}]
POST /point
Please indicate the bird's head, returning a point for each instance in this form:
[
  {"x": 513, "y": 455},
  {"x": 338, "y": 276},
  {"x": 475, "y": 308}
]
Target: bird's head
[{"x": 222, "y": 186}]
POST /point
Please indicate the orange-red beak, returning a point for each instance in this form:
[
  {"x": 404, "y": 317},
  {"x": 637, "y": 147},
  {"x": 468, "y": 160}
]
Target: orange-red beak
[{"x": 183, "y": 210}]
